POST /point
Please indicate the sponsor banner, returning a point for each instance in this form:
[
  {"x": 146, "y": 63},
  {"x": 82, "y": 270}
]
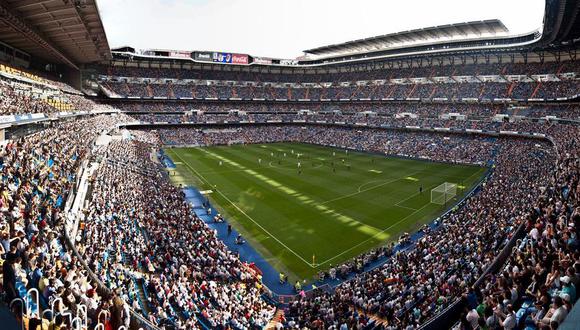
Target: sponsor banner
[
  {"x": 203, "y": 56},
  {"x": 222, "y": 57},
  {"x": 7, "y": 119},
  {"x": 239, "y": 59},
  {"x": 23, "y": 117},
  {"x": 180, "y": 54},
  {"x": 262, "y": 60},
  {"x": 288, "y": 62}
]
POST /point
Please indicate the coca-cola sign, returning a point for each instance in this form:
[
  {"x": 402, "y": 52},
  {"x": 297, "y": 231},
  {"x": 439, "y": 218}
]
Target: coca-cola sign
[{"x": 239, "y": 59}]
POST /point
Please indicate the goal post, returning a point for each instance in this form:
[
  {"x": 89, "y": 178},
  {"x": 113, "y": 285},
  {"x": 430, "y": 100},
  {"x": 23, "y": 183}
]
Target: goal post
[{"x": 443, "y": 193}]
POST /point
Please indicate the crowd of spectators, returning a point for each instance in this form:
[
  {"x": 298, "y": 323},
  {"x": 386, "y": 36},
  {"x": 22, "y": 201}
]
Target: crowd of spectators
[
  {"x": 537, "y": 287},
  {"x": 21, "y": 98},
  {"x": 394, "y": 72},
  {"x": 140, "y": 231},
  {"x": 17, "y": 99},
  {"x": 173, "y": 112},
  {"x": 38, "y": 173},
  {"x": 337, "y": 91},
  {"x": 501, "y": 81}
]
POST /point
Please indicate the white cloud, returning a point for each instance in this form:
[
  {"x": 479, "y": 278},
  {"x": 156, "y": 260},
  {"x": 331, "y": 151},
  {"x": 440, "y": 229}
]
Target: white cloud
[{"x": 283, "y": 28}]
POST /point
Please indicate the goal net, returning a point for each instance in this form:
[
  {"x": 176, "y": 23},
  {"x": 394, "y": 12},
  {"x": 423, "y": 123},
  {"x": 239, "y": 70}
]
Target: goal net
[{"x": 443, "y": 193}]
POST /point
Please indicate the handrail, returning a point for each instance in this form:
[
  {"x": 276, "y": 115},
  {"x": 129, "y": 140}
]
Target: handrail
[
  {"x": 22, "y": 309},
  {"x": 52, "y": 303},
  {"x": 83, "y": 310},
  {"x": 29, "y": 311},
  {"x": 77, "y": 321},
  {"x": 48, "y": 310}
]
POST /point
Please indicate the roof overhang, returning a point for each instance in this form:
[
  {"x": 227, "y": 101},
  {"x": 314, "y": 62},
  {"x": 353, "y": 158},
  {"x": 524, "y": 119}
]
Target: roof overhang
[
  {"x": 58, "y": 31},
  {"x": 438, "y": 34}
]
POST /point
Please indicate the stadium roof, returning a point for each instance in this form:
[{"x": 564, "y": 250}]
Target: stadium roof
[
  {"x": 449, "y": 32},
  {"x": 58, "y": 31}
]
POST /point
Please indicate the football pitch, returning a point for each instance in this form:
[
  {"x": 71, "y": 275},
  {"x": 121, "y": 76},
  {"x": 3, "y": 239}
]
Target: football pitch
[{"x": 306, "y": 207}]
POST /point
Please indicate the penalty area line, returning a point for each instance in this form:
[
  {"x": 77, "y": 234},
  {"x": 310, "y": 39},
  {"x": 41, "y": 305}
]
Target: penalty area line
[{"x": 359, "y": 190}]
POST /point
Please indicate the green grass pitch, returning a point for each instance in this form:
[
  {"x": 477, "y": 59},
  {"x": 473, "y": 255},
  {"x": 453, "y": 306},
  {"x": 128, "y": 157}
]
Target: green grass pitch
[{"x": 333, "y": 207}]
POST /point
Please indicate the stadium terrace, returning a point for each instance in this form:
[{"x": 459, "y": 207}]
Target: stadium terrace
[{"x": 423, "y": 179}]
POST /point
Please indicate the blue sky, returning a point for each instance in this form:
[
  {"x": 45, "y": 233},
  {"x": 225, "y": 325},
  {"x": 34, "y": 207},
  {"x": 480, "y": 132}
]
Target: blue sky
[{"x": 283, "y": 28}]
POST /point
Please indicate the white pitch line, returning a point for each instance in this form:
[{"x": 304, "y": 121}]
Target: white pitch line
[
  {"x": 406, "y": 207},
  {"x": 245, "y": 214},
  {"x": 415, "y": 194},
  {"x": 368, "y": 189},
  {"x": 361, "y": 243},
  {"x": 367, "y": 183}
]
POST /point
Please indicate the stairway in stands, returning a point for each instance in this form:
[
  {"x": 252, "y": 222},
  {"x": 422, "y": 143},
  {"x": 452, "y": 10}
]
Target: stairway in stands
[
  {"x": 127, "y": 89},
  {"x": 378, "y": 321},
  {"x": 278, "y": 318},
  {"x": 538, "y": 86},
  {"x": 412, "y": 90},
  {"x": 141, "y": 294},
  {"x": 171, "y": 92},
  {"x": 511, "y": 89},
  {"x": 560, "y": 68},
  {"x": 482, "y": 91},
  {"x": 433, "y": 91}
]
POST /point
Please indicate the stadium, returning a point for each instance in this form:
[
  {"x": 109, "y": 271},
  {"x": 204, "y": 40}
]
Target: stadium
[{"x": 418, "y": 179}]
